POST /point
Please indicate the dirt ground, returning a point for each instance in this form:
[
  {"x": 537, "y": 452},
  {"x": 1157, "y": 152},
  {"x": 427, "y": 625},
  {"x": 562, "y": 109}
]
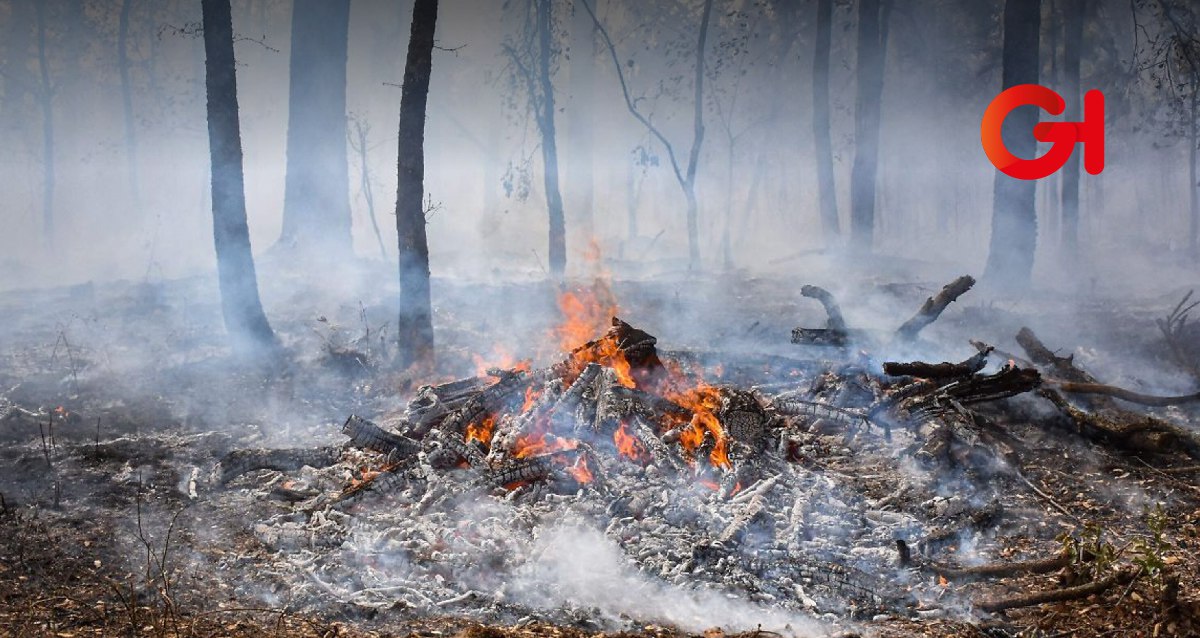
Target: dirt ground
[{"x": 126, "y": 387}]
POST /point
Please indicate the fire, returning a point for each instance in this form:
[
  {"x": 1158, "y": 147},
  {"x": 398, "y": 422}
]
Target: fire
[
  {"x": 538, "y": 444},
  {"x": 531, "y": 397},
  {"x": 703, "y": 400},
  {"x": 499, "y": 358},
  {"x": 628, "y": 445},
  {"x": 482, "y": 431},
  {"x": 585, "y": 314},
  {"x": 580, "y": 470}
]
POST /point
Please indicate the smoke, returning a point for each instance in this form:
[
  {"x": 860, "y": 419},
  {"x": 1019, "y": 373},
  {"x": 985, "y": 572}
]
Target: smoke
[{"x": 576, "y": 567}]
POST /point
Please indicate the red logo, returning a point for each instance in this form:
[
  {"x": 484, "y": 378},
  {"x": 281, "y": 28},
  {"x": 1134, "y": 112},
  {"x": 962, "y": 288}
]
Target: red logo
[{"x": 1061, "y": 135}]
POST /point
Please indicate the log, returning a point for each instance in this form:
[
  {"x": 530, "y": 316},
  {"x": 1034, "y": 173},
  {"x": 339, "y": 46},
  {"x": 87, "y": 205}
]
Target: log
[
  {"x": 367, "y": 435},
  {"x": 239, "y": 462},
  {"x": 933, "y": 307}
]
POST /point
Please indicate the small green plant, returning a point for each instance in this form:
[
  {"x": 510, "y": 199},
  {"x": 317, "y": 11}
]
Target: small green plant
[
  {"x": 1150, "y": 551},
  {"x": 1090, "y": 554}
]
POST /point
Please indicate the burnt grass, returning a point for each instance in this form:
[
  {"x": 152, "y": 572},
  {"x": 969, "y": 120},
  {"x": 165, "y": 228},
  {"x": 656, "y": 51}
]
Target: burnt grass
[{"x": 99, "y": 535}]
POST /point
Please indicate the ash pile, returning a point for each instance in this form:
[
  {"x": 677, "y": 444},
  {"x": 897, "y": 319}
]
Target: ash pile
[{"x": 623, "y": 483}]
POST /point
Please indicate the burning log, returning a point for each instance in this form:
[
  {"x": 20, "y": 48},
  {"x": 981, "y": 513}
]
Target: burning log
[
  {"x": 933, "y": 308},
  {"x": 239, "y": 462}
]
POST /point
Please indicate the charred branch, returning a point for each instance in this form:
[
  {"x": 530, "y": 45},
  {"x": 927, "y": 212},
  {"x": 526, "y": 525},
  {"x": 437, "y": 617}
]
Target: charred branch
[
  {"x": 1122, "y": 577},
  {"x": 933, "y": 307}
]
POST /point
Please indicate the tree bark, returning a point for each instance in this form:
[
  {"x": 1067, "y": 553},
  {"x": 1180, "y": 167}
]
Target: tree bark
[
  {"x": 1014, "y": 211},
  {"x": 240, "y": 305},
  {"x": 872, "y": 43},
  {"x": 415, "y": 327},
  {"x": 554, "y": 203},
  {"x": 580, "y": 178},
  {"x": 1072, "y": 45},
  {"x": 131, "y": 154},
  {"x": 46, "y": 99},
  {"x": 316, "y": 202},
  {"x": 827, "y": 187}
]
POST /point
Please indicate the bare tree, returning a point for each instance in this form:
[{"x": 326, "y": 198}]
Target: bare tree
[
  {"x": 827, "y": 188},
  {"x": 1014, "y": 212},
  {"x": 580, "y": 118},
  {"x": 244, "y": 318},
  {"x": 316, "y": 203},
  {"x": 46, "y": 99},
  {"x": 684, "y": 175},
  {"x": 415, "y": 328},
  {"x": 872, "y": 44},
  {"x": 533, "y": 63},
  {"x": 131, "y": 154},
  {"x": 1073, "y": 18}
]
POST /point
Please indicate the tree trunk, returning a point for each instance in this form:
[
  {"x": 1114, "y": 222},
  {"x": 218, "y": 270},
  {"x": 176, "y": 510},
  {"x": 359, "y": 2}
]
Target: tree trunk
[
  {"x": 1193, "y": 186},
  {"x": 726, "y": 243},
  {"x": 415, "y": 327},
  {"x": 554, "y": 204},
  {"x": 46, "y": 98},
  {"x": 867, "y": 110},
  {"x": 316, "y": 202},
  {"x": 131, "y": 154},
  {"x": 1014, "y": 213},
  {"x": 1072, "y": 44},
  {"x": 632, "y": 193},
  {"x": 580, "y": 180},
  {"x": 827, "y": 187},
  {"x": 244, "y": 318},
  {"x": 689, "y": 185}
]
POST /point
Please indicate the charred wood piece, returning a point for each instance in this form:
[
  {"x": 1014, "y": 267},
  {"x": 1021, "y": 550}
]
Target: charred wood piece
[
  {"x": 816, "y": 410},
  {"x": 943, "y": 370},
  {"x": 835, "y": 322},
  {"x": 824, "y": 337},
  {"x": 367, "y": 435},
  {"x": 239, "y": 462},
  {"x": 933, "y": 307}
]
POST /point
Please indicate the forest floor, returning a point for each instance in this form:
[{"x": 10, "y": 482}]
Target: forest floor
[{"x": 125, "y": 389}]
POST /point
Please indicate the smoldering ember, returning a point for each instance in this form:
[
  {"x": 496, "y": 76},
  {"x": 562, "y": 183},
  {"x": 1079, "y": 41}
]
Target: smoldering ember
[{"x": 698, "y": 318}]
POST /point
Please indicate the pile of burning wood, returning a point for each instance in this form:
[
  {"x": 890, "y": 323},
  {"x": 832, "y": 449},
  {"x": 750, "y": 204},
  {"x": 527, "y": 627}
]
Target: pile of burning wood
[{"x": 781, "y": 482}]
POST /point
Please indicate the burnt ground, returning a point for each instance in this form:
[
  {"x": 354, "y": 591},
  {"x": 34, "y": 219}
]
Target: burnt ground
[{"x": 127, "y": 397}]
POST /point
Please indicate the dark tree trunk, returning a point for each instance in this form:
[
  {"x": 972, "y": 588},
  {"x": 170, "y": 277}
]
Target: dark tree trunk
[
  {"x": 1072, "y": 44},
  {"x": 824, "y": 146},
  {"x": 872, "y": 42},
  {"x": 46, "y": 98},
  {"x": 580, "y": 180},
  {"x": 131, "y": 154},
  {"x": 316, "y": 202},
  {"x": 415, "y": 327},
  {"x": 689, "y": 185},
  {"x": 1014, "y": 211},
  {"x": 1193, "y": 186},
  {"x": 244, "y": 318},
  {"x": 554, "y": 203}
]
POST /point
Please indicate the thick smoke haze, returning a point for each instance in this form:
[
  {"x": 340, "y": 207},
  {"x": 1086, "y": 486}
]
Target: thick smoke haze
[{"x": 756, "y": 178}]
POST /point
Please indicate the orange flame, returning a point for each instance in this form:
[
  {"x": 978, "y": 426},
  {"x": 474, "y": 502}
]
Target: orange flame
[
  {"x": 703, "y": 400},
  {"x": 482, "y": 431},
  {"x": 628, "y": 445},
  {"x": 580, "y": 470}
]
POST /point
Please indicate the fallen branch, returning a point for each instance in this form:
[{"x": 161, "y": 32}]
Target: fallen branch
[
  {"x": 835, "y": 320},
  {"x": 943, "y": 370},
  {"x": 1123, "y": 577},
  {"x": 989, "y": 570},
  {"x": 933, "y": 307},
  {"x": 1072, "y": 387}
]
